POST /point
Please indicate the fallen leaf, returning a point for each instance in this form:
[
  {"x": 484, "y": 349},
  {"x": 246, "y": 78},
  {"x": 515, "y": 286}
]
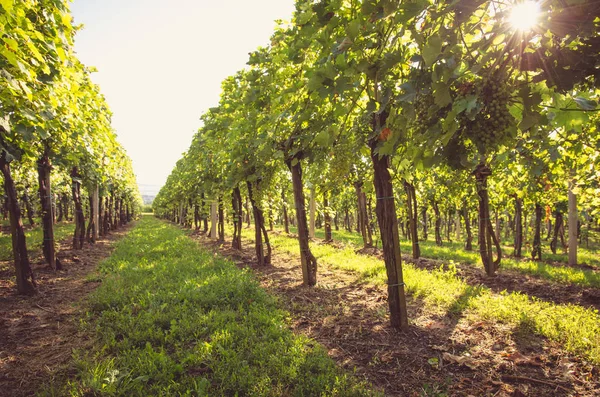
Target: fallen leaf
[{"x": 461, "y": 360}]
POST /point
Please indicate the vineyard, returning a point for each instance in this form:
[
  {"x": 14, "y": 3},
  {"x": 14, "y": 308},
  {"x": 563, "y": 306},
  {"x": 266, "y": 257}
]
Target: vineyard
[
  {"x": 64, "y": 174},
  {"x": 410, "y": 191}
]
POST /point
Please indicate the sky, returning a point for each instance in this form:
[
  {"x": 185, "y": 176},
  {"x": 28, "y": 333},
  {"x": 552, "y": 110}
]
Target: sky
[{"x": 160, "y": 66}]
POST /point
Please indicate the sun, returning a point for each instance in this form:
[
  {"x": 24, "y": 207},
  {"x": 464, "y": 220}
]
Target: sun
[{"x": 525, "y": 15}]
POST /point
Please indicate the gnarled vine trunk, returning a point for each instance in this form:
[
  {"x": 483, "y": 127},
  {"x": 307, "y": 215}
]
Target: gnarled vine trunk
[
  {"x": 65, "y": 204},
  {"x": 196, "y": 216},
  {"x": 308, "y": 261},
  {"x": 114, "y": 211},
  {"x": 438, "y": 223},
  {"x": 412, "y": 218},
  {"x": 388, "y": 227},
  {"x": 271, "y": 225},
  {"x": 236, "y": 203},
  {"x": 28, "y": 208},
  {"x": 574, "y": 225},
  {"x": 59, "y": 206},
  {"x": 469, "y": 242},
  {"x": 285, "y": 212},
  {"x": 259, "y": 228},
  {"x": 247, "y": 205},
  {"x": 79, "y": 234},
  {"x": 204, "y": 213},
  {"x": 221, "y": 224},
  {"x": 89, "y": 235},
  {"x": 537, "y": 237},
  {"x": 424, "y": 213},
  {"x": 106, "y": 221},
  {"x": 558, "y": 224},
  {"x": 518, "y": 226},
  {"x": 24, "y": 275},
  {"x": 362, "y": 216},
  {"x": 122, "y": 210},
  {"x": 100, "y": 216},
  {"x": 44, "y": 167},
  {"x": 327, "y": 218},
  {"x": 486, "y": 231}
]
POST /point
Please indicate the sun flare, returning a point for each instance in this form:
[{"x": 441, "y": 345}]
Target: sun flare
[{"x": 525, "y": 15}]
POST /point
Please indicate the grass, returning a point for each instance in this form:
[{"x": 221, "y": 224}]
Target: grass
[
  {"x": 35, "y": 238},
  {"x": 575, "y": 327},
  {"x": 455, "y": 252},
  {"x": 173, "y": 319}
]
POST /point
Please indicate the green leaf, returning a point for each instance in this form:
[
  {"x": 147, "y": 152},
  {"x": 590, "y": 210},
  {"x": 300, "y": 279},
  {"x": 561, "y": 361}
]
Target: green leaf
[
  {"x": 10, "y": 56},
  {"x": 305, "y": 17},
  {"x": 34, "y": 51},
  {"x": 441, "y": 93},
  {"x": 459, "y": 106},
  {"x": 409, "y": 97},
  {"x": 322, "y": 139},
  {"x": 42, "y": 132},
  {"x": 28, "y": 114},
  {"x": 432, "y": 50},
  {"x": 12, "y": 43},
  {"x": 499, "y": 39},
  {"x": 25, "y": 132},
  {"x": 47, "y": 115},
  {"x": 7, "y": 5},
  {"x": 315, "y": 82},
  {"x": 528, "y": 121},
  {"x": 353, "y": 29}
]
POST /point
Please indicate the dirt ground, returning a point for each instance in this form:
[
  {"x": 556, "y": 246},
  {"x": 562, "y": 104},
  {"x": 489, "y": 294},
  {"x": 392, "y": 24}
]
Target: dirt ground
[
  {"x": 439, "y": 355},
  {"x": 39, "y": 333}
]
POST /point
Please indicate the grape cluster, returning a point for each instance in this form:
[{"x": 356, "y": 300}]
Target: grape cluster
[
  {"x": 423, "y": 105},
  {"x": 489, "y": 127},
  {"x": 427, "y": 113}
]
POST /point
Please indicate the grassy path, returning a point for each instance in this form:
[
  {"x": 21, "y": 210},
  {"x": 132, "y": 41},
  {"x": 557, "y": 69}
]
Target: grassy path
[{"x": 173, "y": 319}]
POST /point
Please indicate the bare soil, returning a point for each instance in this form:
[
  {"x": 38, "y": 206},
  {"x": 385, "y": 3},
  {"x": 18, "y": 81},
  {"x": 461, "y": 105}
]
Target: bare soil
[
  {"x": 39, "y": 333},
  {"x": 439, "y": 355}
]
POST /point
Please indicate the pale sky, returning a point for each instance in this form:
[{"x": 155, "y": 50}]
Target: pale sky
[{"x": 161, "y": 62}]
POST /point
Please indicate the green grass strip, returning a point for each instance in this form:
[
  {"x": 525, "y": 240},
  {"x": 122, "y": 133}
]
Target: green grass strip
[
  {"x": 35, "y": 238},
  {"x": 172, "y": 319},
  {"x": 575, "y": 327},
  {"x": 455, "y": 252}
]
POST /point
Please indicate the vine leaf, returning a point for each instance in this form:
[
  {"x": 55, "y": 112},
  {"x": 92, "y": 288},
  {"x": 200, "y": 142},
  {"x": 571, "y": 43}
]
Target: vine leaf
[
  {"x": 432, "y": 50},
  {"x": 7, "y": 5},
  {"x": 441, "y": 94}
]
